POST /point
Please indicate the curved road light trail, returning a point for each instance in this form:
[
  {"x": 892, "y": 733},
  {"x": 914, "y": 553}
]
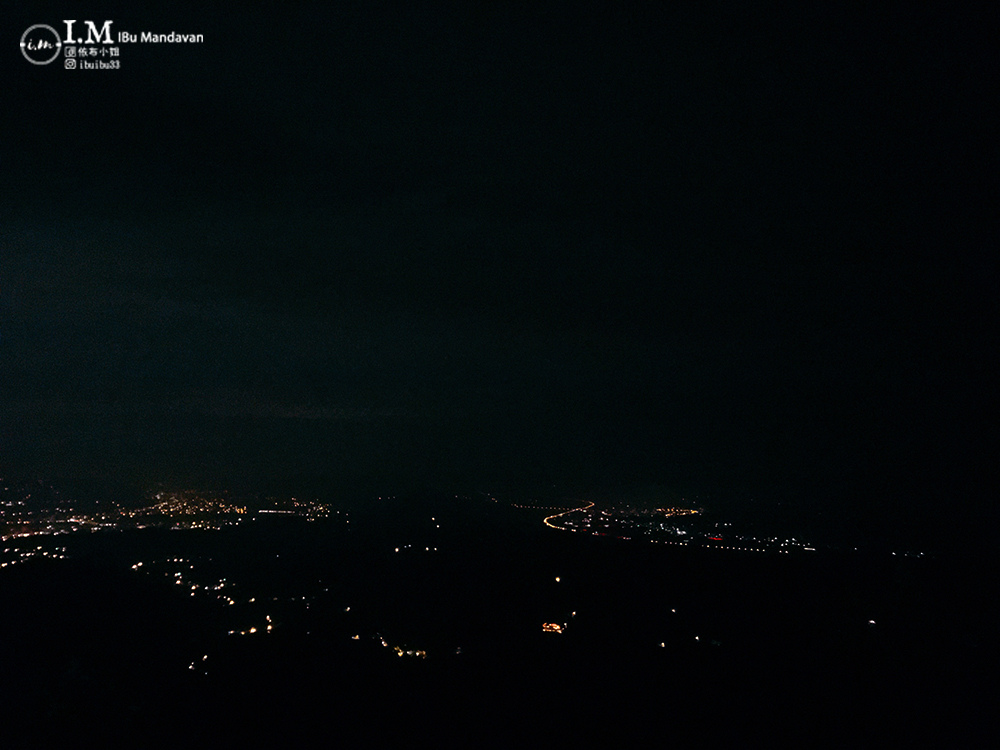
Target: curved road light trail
[{"x": 572, "y": 510}]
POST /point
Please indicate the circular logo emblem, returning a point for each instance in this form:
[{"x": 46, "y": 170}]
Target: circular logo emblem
[{"x": 40, "y": 44}]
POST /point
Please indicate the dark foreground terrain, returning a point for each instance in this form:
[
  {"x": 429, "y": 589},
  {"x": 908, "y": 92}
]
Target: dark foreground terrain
[{"x": 666, "y": 645}]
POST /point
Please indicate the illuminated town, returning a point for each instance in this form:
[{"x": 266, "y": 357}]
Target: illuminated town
[
  {"x": 39, "y": 509},
  {"x": 683, "y": 527}
]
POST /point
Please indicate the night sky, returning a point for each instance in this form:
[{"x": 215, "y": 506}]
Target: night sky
[{"x": 733, "y": 253}]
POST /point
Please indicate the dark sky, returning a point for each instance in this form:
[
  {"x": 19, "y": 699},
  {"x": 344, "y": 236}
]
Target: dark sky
[{"x": 356, "y": 245}]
